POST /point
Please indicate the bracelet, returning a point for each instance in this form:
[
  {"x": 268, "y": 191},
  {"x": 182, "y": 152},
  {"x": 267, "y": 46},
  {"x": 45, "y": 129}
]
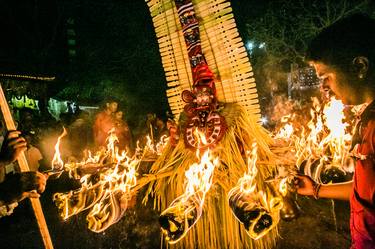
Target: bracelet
[{"x": 316, "y": 189}]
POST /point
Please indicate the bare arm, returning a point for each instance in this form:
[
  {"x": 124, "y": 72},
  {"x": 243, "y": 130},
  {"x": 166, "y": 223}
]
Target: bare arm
[
  {"x": 341, "y": 191},
  {"x": 12, "y": 147}
]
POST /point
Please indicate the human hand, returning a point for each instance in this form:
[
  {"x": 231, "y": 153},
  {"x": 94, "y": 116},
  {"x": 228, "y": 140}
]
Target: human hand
[
  {"x": 12, "y": 147},
  {"x": 23, "y": 185},
  {"x": 304, "y": 185}
]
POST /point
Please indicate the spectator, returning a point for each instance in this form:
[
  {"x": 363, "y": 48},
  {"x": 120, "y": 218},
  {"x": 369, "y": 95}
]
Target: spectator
[
  {"x": 160, "y": 129},
  {"x": 32, "y": 153},
  {"x": 343, "y": 55},
  {"x": 122, "y": 132},
  {"x": 18, "y": 186},
  {"x": 104, "y": 122}
]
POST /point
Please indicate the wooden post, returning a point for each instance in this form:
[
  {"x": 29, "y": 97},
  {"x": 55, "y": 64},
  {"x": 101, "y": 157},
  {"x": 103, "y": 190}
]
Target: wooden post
[{"x": 9, "y": 122}]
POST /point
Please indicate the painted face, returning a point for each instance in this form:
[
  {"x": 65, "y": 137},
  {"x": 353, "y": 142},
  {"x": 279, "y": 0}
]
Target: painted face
[
  {"x": 337, "y": 82},
  {"x": 203, "y": 98}
]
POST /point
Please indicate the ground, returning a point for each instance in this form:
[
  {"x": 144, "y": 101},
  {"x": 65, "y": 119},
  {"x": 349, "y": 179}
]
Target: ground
[
  {"x": 314, "y": 229},
  {"x": 318, "y": 227}
]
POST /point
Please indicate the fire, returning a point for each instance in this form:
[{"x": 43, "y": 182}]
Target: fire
[
  {"x": 283, "y": 187},
  {"x": 248, "y": 182},
  {"x": 199, "y": 175},
  {"x": 57, "y": 162},
  {"x": 161, "y": 144},
  {"x": 326, "y": 141},
  {"x": 107, "y": 179},
  {"x": 254, "y": 210},
  {"x": 150, "y": 145},
  {"x": 186, "y": 210},
  {"x": 287, "y": 130},
  {"x": 152, "y": 150}
]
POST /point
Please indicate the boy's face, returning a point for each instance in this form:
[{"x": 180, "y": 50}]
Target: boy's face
[
  {"x": 338, "y": 82},
  {"x": 119, "y": 115},
  {"x": 112, "y": 106}
]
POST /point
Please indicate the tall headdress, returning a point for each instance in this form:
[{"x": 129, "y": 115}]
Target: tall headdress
[{"x": 216, "y": 37}]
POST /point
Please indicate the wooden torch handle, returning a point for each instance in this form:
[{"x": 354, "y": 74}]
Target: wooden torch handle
[{"x": 9, "y": 122}]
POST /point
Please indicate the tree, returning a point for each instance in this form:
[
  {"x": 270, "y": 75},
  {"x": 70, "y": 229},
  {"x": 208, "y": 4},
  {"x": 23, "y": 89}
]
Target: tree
[
  {"x": 280, "y": 35},
  {"x": 287, "y": 26}
]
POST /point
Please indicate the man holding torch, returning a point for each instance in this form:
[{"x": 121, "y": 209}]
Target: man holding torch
[
  {"x": 343, "y": 55},
  {"x": 18, "y": 186}
]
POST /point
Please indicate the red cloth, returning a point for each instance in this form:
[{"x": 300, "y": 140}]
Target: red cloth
[
  {"x": 362, "y": 201},
  {"x": 103, "y": 123}
]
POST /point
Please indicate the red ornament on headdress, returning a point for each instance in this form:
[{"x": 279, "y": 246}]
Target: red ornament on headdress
[{"x": 201, "y": 101}]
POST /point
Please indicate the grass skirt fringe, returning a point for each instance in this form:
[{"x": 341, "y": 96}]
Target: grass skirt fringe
[{"x": 217, "y": 228}]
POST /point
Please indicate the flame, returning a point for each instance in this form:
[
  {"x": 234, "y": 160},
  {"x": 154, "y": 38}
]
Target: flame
[
  {"x": 161, "y": 144},
  {"x": 326, "y": 138},
  {"x": 248, "y": 183},
  {"x": 283, "y": 187},
  {"x": 285, "y": 132},
  {"x": 257, "y": 211},
  {"x": 186, "y": 210},
  {"x": 107, "y": 179},
  {"x": 150, "y": 146},
  {"x": 57, "y": 162},
  {"x": 199, "y": 175},
  {"x": 152, "y": 150},
  {"x": 200, "y": 137}
]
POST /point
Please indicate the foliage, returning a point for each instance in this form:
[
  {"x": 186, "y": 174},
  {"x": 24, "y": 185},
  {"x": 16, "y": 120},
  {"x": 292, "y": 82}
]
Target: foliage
[{"x": 286, "y": 27}]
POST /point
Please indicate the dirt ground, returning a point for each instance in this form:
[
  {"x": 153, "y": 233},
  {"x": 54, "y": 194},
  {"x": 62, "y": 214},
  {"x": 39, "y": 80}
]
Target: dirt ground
[{"x": 316, "y": 228}]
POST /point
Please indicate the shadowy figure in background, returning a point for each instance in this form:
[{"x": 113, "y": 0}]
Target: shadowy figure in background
[
  {"x": 28, "y": 121},
  {"x": 343, "y": 55},
  {"x": 104, "y": 122},
  {"x": 160, "y": 129},
  {"x": 32, "y": 153},
  {"x": 122, "y": 132},
  {"x": 79, "y": 133},
  {"x": 150, "y": 127},
  {"x": 77, "y": 124}
]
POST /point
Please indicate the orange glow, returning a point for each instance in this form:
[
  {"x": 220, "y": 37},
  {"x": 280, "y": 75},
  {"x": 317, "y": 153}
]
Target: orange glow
[
  {"x": 107, "y": 179},
  {"x": 257, "y": 211},
  {"x": 185, "y": 211},
  {"x": 57, "y": 162}
]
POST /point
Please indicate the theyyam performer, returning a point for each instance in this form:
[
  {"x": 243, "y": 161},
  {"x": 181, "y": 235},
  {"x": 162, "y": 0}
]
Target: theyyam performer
[{"x": 212, "y": 94}]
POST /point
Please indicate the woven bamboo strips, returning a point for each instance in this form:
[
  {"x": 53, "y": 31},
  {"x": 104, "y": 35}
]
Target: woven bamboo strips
[
  {"x": 173, "y": 52},
  {"x": 37, "y": 207},
  {"x": 217, "y": 18},
  {"x": 236, "y": 53},
  {"x": 221, "y": 44}
]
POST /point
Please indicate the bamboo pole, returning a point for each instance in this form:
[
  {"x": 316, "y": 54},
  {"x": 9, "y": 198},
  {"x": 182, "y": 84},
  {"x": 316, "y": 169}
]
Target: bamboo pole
[{"x": 25, "y": 167}]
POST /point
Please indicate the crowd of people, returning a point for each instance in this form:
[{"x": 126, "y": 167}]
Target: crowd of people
[
  {"x": 37, "y": 136},
  {"x": 343, "y": 56}
]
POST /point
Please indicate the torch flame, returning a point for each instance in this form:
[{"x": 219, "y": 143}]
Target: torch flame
[
  {"x": 247, "y": 182},
  {"x": 327, "y": 136},
  {"x": 186, "y": 210},
  {"x": 283, "y": 187},
  {"x": 57, "y": 162},
  {"x": 107, "y": 193}
]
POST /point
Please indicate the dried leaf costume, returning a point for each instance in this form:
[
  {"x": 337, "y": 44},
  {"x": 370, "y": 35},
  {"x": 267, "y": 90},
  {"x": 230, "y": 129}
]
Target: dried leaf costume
[{"x": 212, "y": 92}]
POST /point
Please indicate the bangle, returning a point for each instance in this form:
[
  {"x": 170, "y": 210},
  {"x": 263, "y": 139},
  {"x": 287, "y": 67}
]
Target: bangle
[{"x": 316, "y": 189}]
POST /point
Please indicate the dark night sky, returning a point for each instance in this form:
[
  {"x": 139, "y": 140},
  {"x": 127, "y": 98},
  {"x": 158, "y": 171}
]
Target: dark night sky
[
  {"x": 31, "y": 27},
  {"x": 115, "y": 41}
]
